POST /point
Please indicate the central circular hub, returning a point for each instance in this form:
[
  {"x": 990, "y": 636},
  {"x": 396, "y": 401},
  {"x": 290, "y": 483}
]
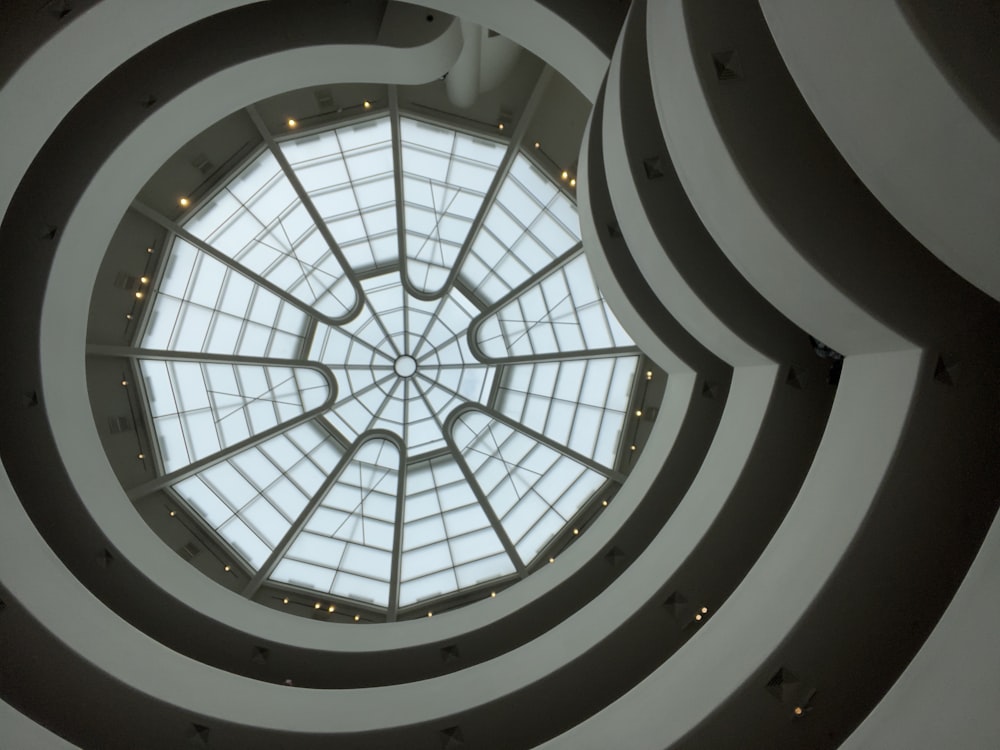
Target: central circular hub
[{"x": 405, "y": 365}]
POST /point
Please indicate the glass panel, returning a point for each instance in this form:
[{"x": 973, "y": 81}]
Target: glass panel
[
  {"x": 401, "y": 364},
  {"x": 259, "y": 221},
  {"x": 445, "y": 532},
  {"x": 264, "y": 488},
  {"x": 445, "y": 178},
  {"x": 362, "y": 355},
  {"x": 212, "y": 405},
  {"x": 201, "y": 305},
  {"x": 348, "y": 175},
  {"x": 530, "y": 224},
  {"x": 562, "y": 312},
  {"x": 581, "y": 404},
  {"x": 533, "y": 489},
  {"x": 351, "y": 532}
]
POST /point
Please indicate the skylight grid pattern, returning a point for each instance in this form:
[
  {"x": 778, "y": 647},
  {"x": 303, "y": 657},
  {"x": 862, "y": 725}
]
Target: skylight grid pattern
[
  {"x": 563, "y": 312},
  {"x": 202, "y": 305},
  {"x": 581, "y": 404},
  {"x": 354, "y": 413},
  {"x": 255, "y": 277},
  {"x": 199, "y": 408},
  {"x": 252, "y": 498},
  {"x": 532, "y": 488},
  {"x": 448, "y": 543},
  {"x": 530, "y": 224},
  {"x": 335, "y": 347},
  {"x": 259, "y": 221},
  {"x": 346, "y": 546},
  {"x": 446, "y": 175},
  {"x": 348, "y": 175},
  {"x": 361, "y": 354}
]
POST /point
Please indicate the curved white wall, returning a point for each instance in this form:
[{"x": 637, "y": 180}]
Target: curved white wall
[
  {"x": 872, "y": 409},
  {"x": 899, "y": 121},
  {"x": 731, "y": 210},
  {"x": 18, "y": 732}
]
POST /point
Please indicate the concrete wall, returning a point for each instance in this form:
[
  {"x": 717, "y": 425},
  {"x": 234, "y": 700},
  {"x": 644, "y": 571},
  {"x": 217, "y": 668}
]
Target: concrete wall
[{"x": 825, "y": 528}]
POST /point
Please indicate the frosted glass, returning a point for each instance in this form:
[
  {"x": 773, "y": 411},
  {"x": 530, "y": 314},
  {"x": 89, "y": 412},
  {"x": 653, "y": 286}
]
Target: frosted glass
[{"x": 522, "y": 377}]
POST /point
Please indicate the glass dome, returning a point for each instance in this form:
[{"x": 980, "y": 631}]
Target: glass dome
[{"x": 377, "y": 366}]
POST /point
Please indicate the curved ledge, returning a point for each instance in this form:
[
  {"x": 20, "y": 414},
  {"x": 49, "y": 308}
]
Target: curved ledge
[
  {"x": 933, "y": 159},
  {"x": 922, "y": 712},
  {"x": 751, "y": 228},
  {"x": 692, "y": 278},
  {"x": 620, "y": 280},
  {"x": 195, "y": 595},
  {"x": 779, "y": 589}
]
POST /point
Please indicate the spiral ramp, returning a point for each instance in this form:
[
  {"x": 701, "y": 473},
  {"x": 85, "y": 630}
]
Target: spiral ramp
[{"x": 799, "y": 559}]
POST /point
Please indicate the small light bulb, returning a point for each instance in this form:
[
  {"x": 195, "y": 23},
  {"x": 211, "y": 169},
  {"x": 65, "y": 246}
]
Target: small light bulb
[
  {"x": 184, "y": 202},
  {"x": 144, "y": 279},
  {"x": 331, "y": 608},
  {"x": 367, "y": 104},
  {"x": 576, "y": 532},
  {"x": 565, "y": 175},
  {"x": 538, "y": 144},
  {"x": 633, "y": 447},
  {"x": 493, "y": 595},
  {"x": 572, "y": 183},
  {"x": 128, "y": 316},
  {"x": 357, "y": 618},
  {"x": 604, "y": 503},
  {"x": 317, "y": 605},
  {"x": 228, "y": 568},
  {"x": 149, "y": 250},
  {"x": 138, "y": 295},
  {"x": 649, "y": 374},
  {"x": 552, "y": 559},
  {"x": 285, "y": 600},
  {"x": 638, "y": 412},
  {"x": 173, "y": 513},
  {"x": 124, "y": 382},
  {"x": 704, "y": 610},
  {"x": 697, "y": 617},
  {"x": 142, "y": 456},
  {"x": 500, "y": 125},
  {"x": 798, "y": 710},
  {"x": 430, "y": 614},
  {"x": 292, "y": 123}
]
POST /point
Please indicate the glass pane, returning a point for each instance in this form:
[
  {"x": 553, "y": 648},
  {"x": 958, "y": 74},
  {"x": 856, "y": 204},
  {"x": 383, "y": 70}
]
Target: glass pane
[
  {"x": 351, "y": 532},
  {"x": 445, "y": 178},
  {"x": 528, "y": 484}
]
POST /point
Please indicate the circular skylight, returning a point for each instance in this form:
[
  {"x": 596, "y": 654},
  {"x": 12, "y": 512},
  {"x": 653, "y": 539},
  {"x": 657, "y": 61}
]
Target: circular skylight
[{"x": 377, "y": 366}]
